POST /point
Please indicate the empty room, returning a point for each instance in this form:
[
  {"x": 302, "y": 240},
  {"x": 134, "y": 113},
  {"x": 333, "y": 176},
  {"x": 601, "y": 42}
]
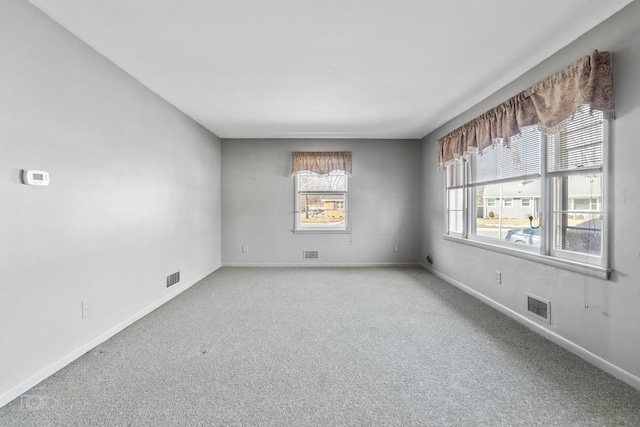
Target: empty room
[{"x": 297, "y": 213}]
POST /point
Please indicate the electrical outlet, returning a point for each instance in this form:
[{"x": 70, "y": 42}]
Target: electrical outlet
[
  {"x": 498, "y": 278},
  {"x": 245, "y": 248},
  {"x": 86, "y": 309}
]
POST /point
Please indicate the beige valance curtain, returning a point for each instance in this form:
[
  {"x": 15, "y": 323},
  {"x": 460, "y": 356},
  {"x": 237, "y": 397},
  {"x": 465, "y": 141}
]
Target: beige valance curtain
[
  {"x": 321, "y": 163},
  {"x": 550, "y": 104}
]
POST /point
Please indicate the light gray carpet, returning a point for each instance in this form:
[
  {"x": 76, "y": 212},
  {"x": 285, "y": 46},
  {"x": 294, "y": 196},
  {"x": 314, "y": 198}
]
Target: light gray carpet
[{"x": 327, "y": 346}]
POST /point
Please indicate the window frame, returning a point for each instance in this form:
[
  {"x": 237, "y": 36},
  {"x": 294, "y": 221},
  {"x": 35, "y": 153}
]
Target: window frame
[
  {"x": 597, "y": 266},
  {"x": 299, "y": 228}
]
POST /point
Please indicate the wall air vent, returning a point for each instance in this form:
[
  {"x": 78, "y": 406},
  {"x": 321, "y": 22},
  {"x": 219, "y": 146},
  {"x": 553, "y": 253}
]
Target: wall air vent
[
  {"x": 539, "y": 308},
  {"x": 172, "y": 279},
  {"x": 310, "y": 254}
]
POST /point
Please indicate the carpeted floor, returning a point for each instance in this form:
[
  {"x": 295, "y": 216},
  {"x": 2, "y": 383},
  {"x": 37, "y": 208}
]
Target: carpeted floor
[{"x": 325, "y": 347}]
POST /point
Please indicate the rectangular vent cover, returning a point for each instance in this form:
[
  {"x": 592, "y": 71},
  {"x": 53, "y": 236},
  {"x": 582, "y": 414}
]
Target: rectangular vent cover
[
  {"x": 539, "y": 308},
  {"x": 310, "y": 254},
  {"x": 172, "y": 279}
]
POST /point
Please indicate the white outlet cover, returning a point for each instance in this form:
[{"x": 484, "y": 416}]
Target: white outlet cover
[{"x": 86, "y": 309}]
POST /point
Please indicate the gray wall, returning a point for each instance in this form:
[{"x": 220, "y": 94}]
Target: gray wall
[
  {"x": 257, "y": 203},
  {"x": 606, "y": 333},
  {"x": 134, "y": 196}
]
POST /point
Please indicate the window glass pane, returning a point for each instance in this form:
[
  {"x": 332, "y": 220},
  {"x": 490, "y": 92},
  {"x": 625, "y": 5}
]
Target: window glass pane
[
  {"x": 333, "y": 181},
  {"x": 321, "y": 210},
  {"x": 455, "y": 222},
  {"x": 508, "y": 221},
  {"x": 578, "y": 215},
  {"x": 578, "y": 235},
  {"x": 455, "y": 205},
  {"x": 455, "y": 199}
]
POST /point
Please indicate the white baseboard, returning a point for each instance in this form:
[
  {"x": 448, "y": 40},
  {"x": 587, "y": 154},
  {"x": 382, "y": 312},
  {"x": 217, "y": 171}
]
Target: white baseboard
[
  {"x": 574, "y": 348},
  {"x": 36, "y": 378},
  {"x": 321, "y": 264}
]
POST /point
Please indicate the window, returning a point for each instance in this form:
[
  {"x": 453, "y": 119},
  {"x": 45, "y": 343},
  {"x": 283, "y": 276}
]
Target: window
[
  {"x": 321, "y": 201},
  {"x": 321, "y": 189},
  {"x": 501, "y": 174},
  {"x": 561, "y": 211},
  {"x": 547, "y": 144}
]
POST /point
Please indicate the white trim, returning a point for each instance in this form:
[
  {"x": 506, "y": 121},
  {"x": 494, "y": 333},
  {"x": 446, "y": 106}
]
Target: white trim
[
  {"x": 35, "y": 379},
  {"x": 323, "y": 230},
  {"x": 563, "y": 342},
  {"x": 315, "y": 263}
]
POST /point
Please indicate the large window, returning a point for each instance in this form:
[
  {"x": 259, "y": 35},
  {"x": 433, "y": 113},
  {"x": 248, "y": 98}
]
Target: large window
[
  {"x": 542, "y": 194},
  {"x": 547, "y": 145}
]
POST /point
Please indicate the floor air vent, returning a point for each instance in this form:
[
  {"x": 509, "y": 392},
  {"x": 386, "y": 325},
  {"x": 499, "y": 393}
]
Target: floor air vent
[
  {"x": 310, "y": 254},
  {"x": 539, "y": 308},
  {"x": 172, "y": 279}
]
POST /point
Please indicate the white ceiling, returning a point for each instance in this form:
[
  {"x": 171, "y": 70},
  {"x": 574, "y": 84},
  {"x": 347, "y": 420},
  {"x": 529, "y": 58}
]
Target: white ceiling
[{"x": 326, "y": 68}]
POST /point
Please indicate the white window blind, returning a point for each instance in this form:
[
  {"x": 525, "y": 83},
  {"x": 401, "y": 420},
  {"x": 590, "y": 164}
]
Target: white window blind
[
  {"x": 455, "y": 174},
  {"x": 519, "y": 160},
  {"x": 579, "y": 146}
]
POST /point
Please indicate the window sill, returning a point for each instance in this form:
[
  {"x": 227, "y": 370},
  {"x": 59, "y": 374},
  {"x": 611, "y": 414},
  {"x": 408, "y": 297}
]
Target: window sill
[
  {"x": 576, "y": 267},
  {"x": 325, "y": 231}
]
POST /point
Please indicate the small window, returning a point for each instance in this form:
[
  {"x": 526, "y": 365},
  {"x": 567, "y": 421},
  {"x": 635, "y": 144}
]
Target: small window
[
  {"x": 455, "y": 197},
  {"x": 585, "y": 204},
  {"x": 321, "y": 201},
  {"x": 508, "y": 203},
  {"x": 525, "y": 202}
]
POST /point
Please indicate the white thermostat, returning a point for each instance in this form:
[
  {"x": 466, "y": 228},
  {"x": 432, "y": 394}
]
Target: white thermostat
[{"x": 34, "y": 177}]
